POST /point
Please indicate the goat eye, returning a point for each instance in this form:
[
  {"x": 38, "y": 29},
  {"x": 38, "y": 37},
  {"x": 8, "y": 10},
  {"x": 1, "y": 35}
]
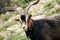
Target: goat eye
[{"x": 23, "y": 17}]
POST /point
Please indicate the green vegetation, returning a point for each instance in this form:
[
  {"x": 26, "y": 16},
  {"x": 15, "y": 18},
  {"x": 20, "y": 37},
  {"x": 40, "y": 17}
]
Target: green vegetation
[
  {"x": 8, "y": 24},
  {"x": 6, "y": 4},
  {"x": 48, "y": 6},
  {"x": 23, "y": 3},
  {"x": 7, "y": 16},
  {"x": 1, "y": 38},
  {"x": 3, "y": 4},
  {"x": 57, "y": 9},
  {"x": 58, "y": 1},
  {"x": 17, "y": 36}
]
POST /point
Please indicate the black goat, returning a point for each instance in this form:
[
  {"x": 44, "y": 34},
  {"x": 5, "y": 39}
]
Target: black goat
[{"x": 43, "y": 29}]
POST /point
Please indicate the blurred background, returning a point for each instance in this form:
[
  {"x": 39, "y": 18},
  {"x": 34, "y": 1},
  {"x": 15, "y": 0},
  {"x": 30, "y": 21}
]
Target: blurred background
[{"x": 10, "y": 29}]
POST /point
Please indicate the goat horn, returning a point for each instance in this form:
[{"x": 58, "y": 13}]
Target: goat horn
[{"x": 27, "y": 8}]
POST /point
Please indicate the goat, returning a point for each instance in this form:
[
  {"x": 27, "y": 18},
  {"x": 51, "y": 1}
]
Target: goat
[{"x": 42, "y": 29}]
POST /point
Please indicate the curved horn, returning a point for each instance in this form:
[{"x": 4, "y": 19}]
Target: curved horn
[{"x": 27, "y": 8}]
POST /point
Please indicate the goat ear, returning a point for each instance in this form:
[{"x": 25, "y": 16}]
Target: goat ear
[{"x": 30, "y": 16}]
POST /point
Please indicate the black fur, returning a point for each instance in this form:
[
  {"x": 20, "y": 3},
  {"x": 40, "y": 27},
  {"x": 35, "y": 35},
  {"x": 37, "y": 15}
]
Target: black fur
[{"x": 44, "y": 29}]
